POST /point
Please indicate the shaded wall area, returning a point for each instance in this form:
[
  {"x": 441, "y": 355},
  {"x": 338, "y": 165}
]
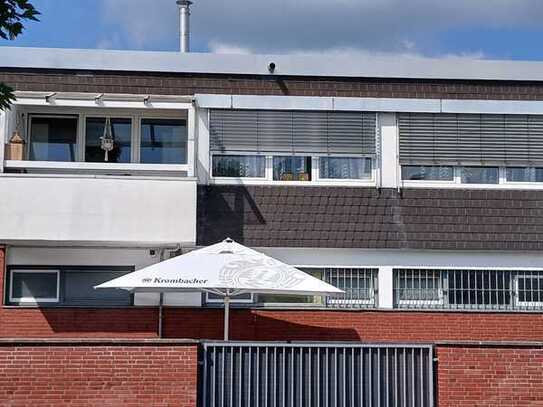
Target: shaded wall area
[{"x": 352, "y": 217}]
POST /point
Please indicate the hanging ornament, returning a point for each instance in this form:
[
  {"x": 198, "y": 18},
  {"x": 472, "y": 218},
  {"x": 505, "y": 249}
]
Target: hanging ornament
[{"x": 106, "y": 141}]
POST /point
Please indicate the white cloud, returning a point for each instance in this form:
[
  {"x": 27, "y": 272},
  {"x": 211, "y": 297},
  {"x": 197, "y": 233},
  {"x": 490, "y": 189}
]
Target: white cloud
[
  {"x": 409, "y": 51},
  {"x": 284, "y": 26}
]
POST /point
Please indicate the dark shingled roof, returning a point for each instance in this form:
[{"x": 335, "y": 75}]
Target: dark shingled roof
[{"x": 341, "y": 217}]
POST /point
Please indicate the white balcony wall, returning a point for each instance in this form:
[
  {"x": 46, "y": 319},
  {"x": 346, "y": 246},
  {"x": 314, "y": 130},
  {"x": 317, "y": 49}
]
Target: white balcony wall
[{"x": 97, "y": 209}]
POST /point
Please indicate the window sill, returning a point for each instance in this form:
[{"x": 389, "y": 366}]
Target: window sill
[
  {"x": 319, "y": 183},
  {"x": 60, "y": 167},
  {"x": 453, "y": 185}
]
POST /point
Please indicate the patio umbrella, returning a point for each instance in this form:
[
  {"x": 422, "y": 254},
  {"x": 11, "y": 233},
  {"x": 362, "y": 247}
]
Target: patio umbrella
[{"x": 226, "y": 269}]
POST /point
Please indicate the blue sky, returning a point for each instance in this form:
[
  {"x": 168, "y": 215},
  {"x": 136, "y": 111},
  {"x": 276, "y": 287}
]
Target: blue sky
[{"x": 502, "y": 29}]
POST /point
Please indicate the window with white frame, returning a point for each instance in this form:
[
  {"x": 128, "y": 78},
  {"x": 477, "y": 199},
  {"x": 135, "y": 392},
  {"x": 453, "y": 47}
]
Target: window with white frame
[
  {"x": 299, "y": 146},
  {"x": 483, "y": 175},
  {"x": 291, "y": 168},
  {"x": 529, "y": 290},
  {"x": 163, "y": 141},
  {"x": 468, "y": 289},
  {"x": 134, "y": 137},
  {"x": 359, "y": 286},
  {"x": 524, "y": 174},
  {"x": 480, "y": 175},
  {"x": 65, "y": 286},
  {"x": 121, "y": 134},
  {"x": 29, "y": 286},
  {"x": 52, "y": 138},
  {"x": 427, "y": 173},
  {"x": 345, "y": 168},
  {"x": 484, "y": 149},
  {"x": 239, "y": 166}
]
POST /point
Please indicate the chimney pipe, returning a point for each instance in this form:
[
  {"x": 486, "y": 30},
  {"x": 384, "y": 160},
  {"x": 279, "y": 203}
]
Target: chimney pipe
[{"x": 184, "y": 19}]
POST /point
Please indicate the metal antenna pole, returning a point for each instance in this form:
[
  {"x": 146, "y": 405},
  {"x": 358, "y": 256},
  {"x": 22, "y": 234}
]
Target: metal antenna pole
[{"x": 184, "y": 22}]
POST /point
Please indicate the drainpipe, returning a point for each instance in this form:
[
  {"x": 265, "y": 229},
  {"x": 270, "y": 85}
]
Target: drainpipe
[{"x": 184, "y": 20}]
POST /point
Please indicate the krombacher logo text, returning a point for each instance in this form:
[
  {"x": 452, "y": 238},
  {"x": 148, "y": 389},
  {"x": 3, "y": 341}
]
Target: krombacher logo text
[{"x": 158, "y": 280}]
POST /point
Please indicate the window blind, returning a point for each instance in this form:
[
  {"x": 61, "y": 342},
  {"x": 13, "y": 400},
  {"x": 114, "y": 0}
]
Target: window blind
[
  {"x": 294, "y": 132},
  {"x": 470, "y": 138}
]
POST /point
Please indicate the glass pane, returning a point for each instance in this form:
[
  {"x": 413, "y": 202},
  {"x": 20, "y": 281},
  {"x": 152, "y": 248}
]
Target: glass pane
[
  {"x": 524, "y": 174},
  {"x": 79, "y": 289},
  {"x": 163, "y": 141},
  {"x": 53, "y": 139},
  {"x": 345, "y": 168},
  {"x": 427, "y": 173},
  {"x": 480, "y": 175},
  {"x": 121, "y": 130},
  {"x": 530, "y": 288},
  {"x": 239, "y": 166},
  {"x": 34, "y": 285},
  {"x": 242, "y": 297},
  {"x": 479, "y": 287},
  {"x": 291, "y": 168}
]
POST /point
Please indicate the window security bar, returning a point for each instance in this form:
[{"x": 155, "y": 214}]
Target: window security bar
[
  {"x": 507, "y": 290},
  {"x": 359, "y": 284}
]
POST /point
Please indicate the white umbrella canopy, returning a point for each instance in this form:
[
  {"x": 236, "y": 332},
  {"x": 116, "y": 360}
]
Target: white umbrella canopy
[{"x": 227, "y": 269}]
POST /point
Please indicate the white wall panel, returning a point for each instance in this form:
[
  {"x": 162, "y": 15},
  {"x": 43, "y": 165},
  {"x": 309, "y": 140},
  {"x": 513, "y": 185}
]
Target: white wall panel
[{"x": 97, "y": 209}]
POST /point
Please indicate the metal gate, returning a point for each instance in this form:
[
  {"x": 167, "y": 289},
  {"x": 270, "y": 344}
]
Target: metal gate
[{"x": 240, "y": 374}]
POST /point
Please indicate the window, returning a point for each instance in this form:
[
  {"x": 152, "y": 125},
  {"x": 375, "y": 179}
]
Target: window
[
  {"x": 524, "y": 174},
  {"x": 419, "y": 287},
  {"x": 121, "y": 132},
  {"x": 66, "y": 286},
  {"x": 34, "y": 286},
  {"x": 79, "y": 289},
  {"x": 239, "y": 299},
  {"x": 427, "y": 173},
  {"x": 479, "y": 288},
  {"x": 53, "y": 138},
  {"x": 279, "y": 300},
  {"x": 345, "y": 168},
  {"x": 359, "y": 286},
  {"x": 163, "y": 141},
  {"x": 468, "y": 289},
  {"x": 480, "y": 175},
  {"x": 239, "y": 166},
  {"x": 529, "y": 289},
  {"x": 291, "y": 168}
]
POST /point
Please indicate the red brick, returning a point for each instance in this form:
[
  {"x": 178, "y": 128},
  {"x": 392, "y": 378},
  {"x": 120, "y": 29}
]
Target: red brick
[{"x": 146, "y": 375}]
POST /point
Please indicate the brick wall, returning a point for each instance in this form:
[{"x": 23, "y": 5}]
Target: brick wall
[
  {"x": 48, "y": 375},
  {"x": 369, "y": 326},
  {"x": 189, "y": 84},
  {"x": 74, "y": 322},
  {"x": 392, "y": 326},
  {"x": 485, "y": 376},
  {"x": 148, "y": 373}
]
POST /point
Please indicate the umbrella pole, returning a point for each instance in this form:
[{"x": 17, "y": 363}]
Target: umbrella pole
[
  {"x": 160, "y": 304},
  {"x": 226, "y": 316}
]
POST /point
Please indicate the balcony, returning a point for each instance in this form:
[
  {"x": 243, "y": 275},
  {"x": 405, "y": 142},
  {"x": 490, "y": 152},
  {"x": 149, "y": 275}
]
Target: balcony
[{"x": 97, "y": 209}]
